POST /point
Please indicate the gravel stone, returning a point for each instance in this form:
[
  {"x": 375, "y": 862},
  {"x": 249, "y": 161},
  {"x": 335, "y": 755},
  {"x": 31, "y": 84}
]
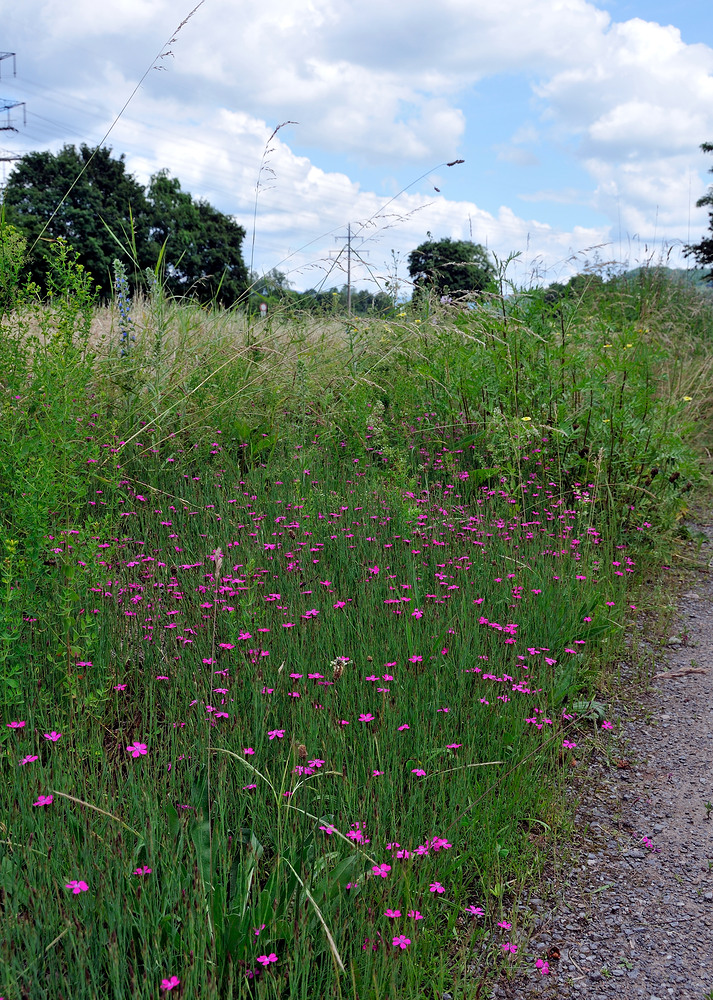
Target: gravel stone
[{"x": 634, "y": 920}]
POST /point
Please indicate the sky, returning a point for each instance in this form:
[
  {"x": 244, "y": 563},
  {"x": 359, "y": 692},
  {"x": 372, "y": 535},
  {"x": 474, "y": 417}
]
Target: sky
[{"x": 579, "y": 122}]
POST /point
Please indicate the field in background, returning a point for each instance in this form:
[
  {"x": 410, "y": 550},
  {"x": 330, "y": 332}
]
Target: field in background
[{"x": 304, "y": 627}]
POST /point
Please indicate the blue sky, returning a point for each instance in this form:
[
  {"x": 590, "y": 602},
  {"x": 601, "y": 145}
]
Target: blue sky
[{"x": 579, "y": 121}]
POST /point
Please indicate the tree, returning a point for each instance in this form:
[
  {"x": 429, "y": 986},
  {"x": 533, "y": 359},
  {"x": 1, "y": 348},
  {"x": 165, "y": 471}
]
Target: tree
[
  {"x": 703, "y": 251},
  {"x": 198, "y": 247},
  {"x": 449, "y": 267},
  {"x": 202, "y": 254},
  {"x": 105, "y": 200}
]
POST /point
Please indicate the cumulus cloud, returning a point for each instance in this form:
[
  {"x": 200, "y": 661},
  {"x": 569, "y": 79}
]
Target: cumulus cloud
[{"x": 383, "y": 92}]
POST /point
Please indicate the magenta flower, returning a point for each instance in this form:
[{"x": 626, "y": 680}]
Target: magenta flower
[
  {"x": 401, "y": 941},
  {"x": 137, "y": 749},
  {"x": 28, "y": 759},
  {"x": 568, "y": 745},
  {"x": 15, "y": 725},
  {"x": 476, "y": 911},
  {"x": 248, "y": 750},
  {"x": 276, "y": 734},
  {"x": 382, "y": 870},
  {"x": 508, "y": 946},
  {"x": 266, "y": 959},
  {"x": 436, "y": 887},
  {"x": 366, "y": 717},
  {"x": 405, "y": 726},
  {"x": 392, "y": 913},
  {"x": 543, "y": 966},
  {"x": 419, "y": 771},
  {"x": 168, "y": 984},
  {"x": 76, "y": 886},
  {"x": 415, "y": 915},
  {"x": 504, "y": 924},
  {"x": 142, "y": 871},
  {"x": 44, "y": 800},
  {"x": 607, "y": 725},
  {"x": 53, "y": 736}
]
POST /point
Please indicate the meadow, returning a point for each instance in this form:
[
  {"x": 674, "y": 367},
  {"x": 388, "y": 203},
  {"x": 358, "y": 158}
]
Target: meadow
[{"x": 306, "y": 626}]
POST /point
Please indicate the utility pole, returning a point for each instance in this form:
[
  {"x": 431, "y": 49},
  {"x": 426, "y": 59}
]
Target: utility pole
[{"x": 348, "y": 238}]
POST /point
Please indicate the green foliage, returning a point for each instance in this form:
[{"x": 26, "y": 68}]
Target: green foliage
[
  {"x": 86, "y": 197},
  {"x": 202, "y": 245},
  {"x": 703, "y": 251},
  {"x": 450, "y": 268},
  {"x": 13, "y": 249}
]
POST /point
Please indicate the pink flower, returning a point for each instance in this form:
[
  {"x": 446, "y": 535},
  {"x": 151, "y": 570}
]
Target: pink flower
[
  {"x": 248, "y": 750},
  {"x": 476, "y": 911},
  {"x": 266, "y": 959},
  {"x": 415, "y": 915},
  {"x": 509, "y": 947},
  {"x": 568, "y": 745},
  {"x": 168, "y": 984},
  {"x": 607, "y": 725},
  {"x": 28, "y": 759},
  {"x": 381, "y": 870},
  {"x": 419, "y": 771},
  {"x": 504, "y": 924},
  {"x": 392, "y": 913},
  {"x": 44, "y": 800},
  {"x": 53, "y": 736},
  {"x": 276, "y": 734},
  {"x": 405, "y": 726},
  {"x": 543, "y": 967},
  {"x": 137, "y": 749},
  {"x": 366, "y": 717},
  {"x": 401, "y": 941},
  {"x": 142, "y": 871},
  {"x": 76, "y": 886},
  {"x": 436, "y": 887},
  {"x": 15, "y": 725}
]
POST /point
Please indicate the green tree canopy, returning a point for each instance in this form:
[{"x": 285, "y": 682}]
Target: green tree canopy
[
  {"x": 203, "y": 252},
  {"x": 105, "y": 200},
  {"x": 450, "y": 267},
  {"x": 703, "y": 251},
  {"x": 199, "y": 247}
]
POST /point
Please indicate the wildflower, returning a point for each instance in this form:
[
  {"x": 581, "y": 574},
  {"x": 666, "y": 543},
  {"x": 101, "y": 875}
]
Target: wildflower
[
  {"x": 401, "y": 942},
  {"x": 248, "y": 751},
  {"x": 168, "y": 984},
  {"x": 137, "y": 749},
  {"x": 366, "y": 717},
  {"x": 568, "y": 745},
  {"x": 419, "y": 771},
  {"x": 436, "y": 887},
  {"x": 256, "y": 930},
  {"x": 543, "y": 966},
  {"x": 266, "y": 959},
  {"x": 607, "y": 725},
  {"x": 415, "y": 915},
  {"x": 77, "y": 886},
  {"x": 405, "y": 726},
  {"x": 509, "y": 947},
  {"x": 142, "y": 871},
  {"x": 381, "y": 870},
  {"x": 44, "y": 800},
  {"x": 28, "y": 759},
  {"x": 475, "y": 911},
  {"x": 276, "y": 734},
  {"x": 53, "y": 736},
  {"x": 15, "y": 725},
  {"x": 393, "y": 914},
  {"x": 504, "y": 924}
]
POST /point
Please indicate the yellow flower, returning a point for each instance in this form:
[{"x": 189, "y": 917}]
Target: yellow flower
[
  {"x": 687, "y": 399},
  {"x": 629, "y": 345},
  {"x": 607, "y": 345},
  {"x": 527, "y": 418},
  {"x": 606, "y": 420}
]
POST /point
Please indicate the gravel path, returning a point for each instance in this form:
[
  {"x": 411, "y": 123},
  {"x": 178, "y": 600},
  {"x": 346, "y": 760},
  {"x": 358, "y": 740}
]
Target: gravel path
[{"x": 636, "y": 921}]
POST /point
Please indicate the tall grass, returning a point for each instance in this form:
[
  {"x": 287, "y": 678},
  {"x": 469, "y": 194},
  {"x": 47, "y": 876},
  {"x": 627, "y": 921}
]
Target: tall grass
[{"x": 301, "y": 627}]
